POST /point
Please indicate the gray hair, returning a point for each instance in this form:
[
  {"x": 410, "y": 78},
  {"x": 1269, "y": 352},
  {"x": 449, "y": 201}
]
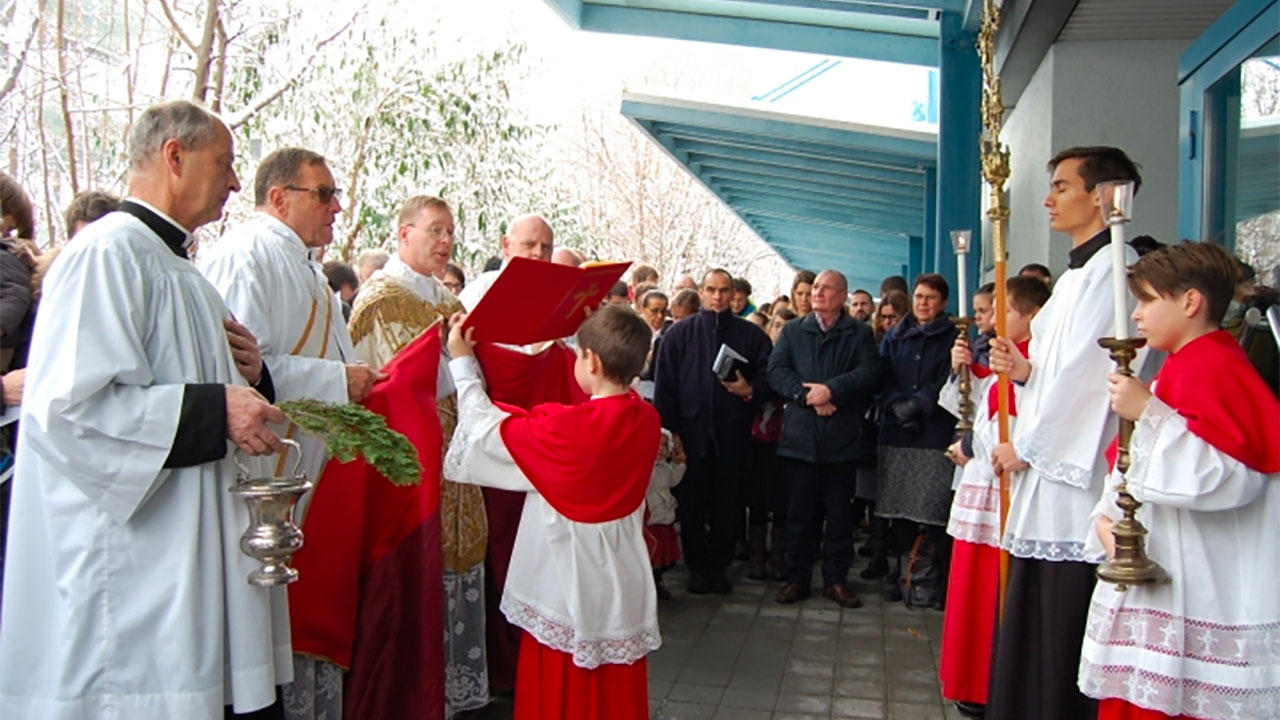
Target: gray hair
[
  {"x": 372, "y": 258},
  {"x": 282, "y": 167},
  {"x": 190, "y": 124},
  {"x": 839, "y": 276}
]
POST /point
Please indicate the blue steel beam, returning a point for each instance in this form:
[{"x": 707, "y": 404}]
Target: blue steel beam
[
  {"x": 868, "y": 152},
  {"x": 910, "y": 217},
  {"x": 798, "y": 240},
  {"x": 785, "y": 128},
  {"x": 844, "y": 221},
  {"x": 895, "y": 245},
  {"x": 959, "y": 162},
  {"x": 829, "y": 192},
  {"x": 687, "y": 152},
  {"x": 771, "y": 173},
  {"x": 842, "y": 42}
]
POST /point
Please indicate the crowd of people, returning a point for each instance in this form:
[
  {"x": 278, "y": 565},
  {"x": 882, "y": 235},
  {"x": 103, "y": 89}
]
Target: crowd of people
[{"x": 683, "y": 422}]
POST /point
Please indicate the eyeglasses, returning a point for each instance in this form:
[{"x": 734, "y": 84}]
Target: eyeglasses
[
  {"x": 452, "y": 286},
  {"x": 321, "y": 193},
  {"x": 435, "y": 231},
  {"x": 888, "y": 316}
]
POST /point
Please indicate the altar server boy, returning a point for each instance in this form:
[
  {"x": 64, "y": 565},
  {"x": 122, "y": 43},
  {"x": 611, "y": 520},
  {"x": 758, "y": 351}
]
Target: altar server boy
[
  {"x": 1205, "y": 454},
  {"x": 580, "y": 584}
]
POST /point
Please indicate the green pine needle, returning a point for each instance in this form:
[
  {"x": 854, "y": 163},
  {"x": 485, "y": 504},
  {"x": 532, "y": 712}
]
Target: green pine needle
[{"x": 351, "y": 430}]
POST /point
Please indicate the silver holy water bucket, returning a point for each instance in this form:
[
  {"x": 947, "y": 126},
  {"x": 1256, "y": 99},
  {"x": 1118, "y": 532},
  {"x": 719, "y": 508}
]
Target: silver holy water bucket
[{"x": 272, "y": 537}]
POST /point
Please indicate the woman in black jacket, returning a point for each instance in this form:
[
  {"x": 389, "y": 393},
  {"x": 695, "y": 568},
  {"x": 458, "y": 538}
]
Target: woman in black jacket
[{"x": 914, "y": 488}]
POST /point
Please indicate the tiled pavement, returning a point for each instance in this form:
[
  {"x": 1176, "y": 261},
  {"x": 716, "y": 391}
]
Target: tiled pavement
[{"x": 743, "y": 657}]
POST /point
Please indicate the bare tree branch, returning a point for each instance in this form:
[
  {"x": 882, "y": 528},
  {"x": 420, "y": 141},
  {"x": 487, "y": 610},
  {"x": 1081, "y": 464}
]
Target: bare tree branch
[
  {"x": 12, "y": 80},
  {"x": 243, "y": 116},
  {"x": 177, "y": 28},
  {"x": 205, "y": 51}
]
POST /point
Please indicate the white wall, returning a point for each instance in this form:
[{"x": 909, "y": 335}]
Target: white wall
[{"x": 1095, "y": 93}]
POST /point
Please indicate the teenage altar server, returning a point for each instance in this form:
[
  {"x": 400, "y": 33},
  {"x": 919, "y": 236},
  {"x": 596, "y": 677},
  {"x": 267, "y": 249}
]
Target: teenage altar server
[
  {"x": 128, "y": 590},
  {"x": 1205, "y": 463},
  {"x": 973, "y": 583},
  {"x": 580, "y": 585},
  {"x": 1056, "y": 456}
]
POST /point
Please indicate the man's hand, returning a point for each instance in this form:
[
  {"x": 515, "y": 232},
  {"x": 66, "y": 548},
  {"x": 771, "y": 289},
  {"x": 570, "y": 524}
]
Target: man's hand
[
  {"x": 739, "y": 386},
  {"x": 1004, "y": 459},
  {"x": 14, "y": 381},
  {"x": 960, "y": 355},
  {"x": 1103, "y": 528},
  {"x": 1129, "y": 396},
  {"x": 460, "y": 344},
  {"x": 360, "y": 380},
  {"x": 957, "y": 454},
  {"x": 819, "y": 394},
  {"x": 247, "y": 416},
  {"x": 244, "y": 350},
  {"x": 677, "y": 449},
  {"x": 826, "y": 409},
  {"x": 1007, "y": 358}
]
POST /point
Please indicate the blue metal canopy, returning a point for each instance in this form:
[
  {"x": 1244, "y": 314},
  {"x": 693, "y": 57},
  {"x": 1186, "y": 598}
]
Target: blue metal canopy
[
  {"x": 822, "y": 193},
  {"x": 904, "y": 31}
]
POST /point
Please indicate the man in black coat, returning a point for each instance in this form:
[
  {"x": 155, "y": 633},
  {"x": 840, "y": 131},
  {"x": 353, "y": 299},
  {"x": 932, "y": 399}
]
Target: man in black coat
[
  {"x": 826, "y": 366},
  {"x": 712, "y": 420}
]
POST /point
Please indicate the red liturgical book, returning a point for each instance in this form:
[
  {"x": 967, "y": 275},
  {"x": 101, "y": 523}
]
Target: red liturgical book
[{"x": 534, "y": 301}]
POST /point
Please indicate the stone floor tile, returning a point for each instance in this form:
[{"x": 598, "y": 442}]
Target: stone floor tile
[
  {"x": 814, "y": 704},
  {"x": 867, "y": 689},
  {"x": 805, "y": 684},
  {"x": 811, "y": 668},
  {"x": 798, "y": 716},
  {"x": 744, "y": 698},
  {"x": 684, "y": 711},
  {"x": 858, "y": 708},
  {"x": 914, "y": 693},
  {"x": 915, "y": 711},
  {"x": 727, "y": 713},
  {"x": 690, "y": 692}
]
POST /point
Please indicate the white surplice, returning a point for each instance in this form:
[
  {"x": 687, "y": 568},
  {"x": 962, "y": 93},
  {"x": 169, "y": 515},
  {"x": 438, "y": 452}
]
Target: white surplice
[
  {"x": 975, "y": 507},
  {"x": 272, "y": 286},
  {"x": 126, "y": 588},
  {"x": 570, "y": 583},
  {"x": 1206, "y": 644},
  {"x": 1065, "y": 419}
]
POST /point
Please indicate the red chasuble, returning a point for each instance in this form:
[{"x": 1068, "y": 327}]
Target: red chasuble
[
  {"x": 368, "y": 595},
  {"x": 521, "y": 380}
]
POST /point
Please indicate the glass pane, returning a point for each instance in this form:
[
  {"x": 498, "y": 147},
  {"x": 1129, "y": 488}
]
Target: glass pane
[{"x": 1242, "y": 168}]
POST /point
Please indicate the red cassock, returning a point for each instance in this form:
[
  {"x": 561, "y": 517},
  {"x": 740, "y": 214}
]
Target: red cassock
[
  {"x": 520, "y": 380},
  {"x": 368, "y": 596},
  {"x": 968, "y": 627},
  {"x": 591, "y": 462}
]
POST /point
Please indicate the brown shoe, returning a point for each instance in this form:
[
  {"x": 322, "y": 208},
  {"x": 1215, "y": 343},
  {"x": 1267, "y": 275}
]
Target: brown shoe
[
  {"x": 791, "y": 592},
  {"x": 841, "y": 595}
]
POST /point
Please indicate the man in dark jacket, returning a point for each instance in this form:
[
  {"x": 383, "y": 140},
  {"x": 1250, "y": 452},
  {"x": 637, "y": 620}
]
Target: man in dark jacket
[
  {"x": 711, "y": 418},
  {"x": 826, "y": 366}
]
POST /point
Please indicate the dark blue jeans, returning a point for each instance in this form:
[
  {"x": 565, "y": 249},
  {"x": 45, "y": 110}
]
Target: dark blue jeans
[{"x": 818, "y": 490}]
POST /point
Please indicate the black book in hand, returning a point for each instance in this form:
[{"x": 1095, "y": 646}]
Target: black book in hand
[{"x": 729, "y": 363}]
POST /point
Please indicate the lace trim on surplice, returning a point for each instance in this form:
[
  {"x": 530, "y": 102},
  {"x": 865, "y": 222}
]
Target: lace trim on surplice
[{"x": 587, "y": 653}]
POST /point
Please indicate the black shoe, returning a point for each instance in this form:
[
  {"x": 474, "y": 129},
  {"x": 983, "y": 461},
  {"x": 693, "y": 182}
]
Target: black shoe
[
  {"x": 877, "y": 569},
  {"x": 975, "y": 711},
  {"x": 719, "y": 583},
  {"x": 791, "y": 592},
  {"x": 893, "y": 593},
  {"x": 663, "y": 592},
  {"x": 698, "y": 583}
]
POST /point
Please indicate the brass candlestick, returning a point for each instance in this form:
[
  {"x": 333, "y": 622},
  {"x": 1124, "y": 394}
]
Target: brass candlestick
[
  {"x": 1130, "y": 566},
  {"x": 965, "y": 381}
]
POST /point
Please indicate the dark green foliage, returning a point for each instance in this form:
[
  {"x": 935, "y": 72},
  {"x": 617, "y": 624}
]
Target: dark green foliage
[{"x": 351, "y": 430}]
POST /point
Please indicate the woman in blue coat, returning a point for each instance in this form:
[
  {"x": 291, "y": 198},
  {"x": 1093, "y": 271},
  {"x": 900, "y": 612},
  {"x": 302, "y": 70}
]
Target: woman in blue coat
[{"x": 914, "y": 489}]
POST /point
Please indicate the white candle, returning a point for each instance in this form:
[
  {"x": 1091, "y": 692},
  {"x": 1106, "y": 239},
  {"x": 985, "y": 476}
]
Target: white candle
[
  {"x": 1119, "y": 279},
  {"x": 963, "y": 282}
]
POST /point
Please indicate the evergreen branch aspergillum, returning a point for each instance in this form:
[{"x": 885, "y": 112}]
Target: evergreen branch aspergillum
[{"x": 351, "y": 430}]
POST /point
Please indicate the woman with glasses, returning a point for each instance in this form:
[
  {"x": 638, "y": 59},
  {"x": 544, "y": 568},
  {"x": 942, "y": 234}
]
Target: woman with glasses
[
  {"x": 892, "y": 309},
  {"x": 454, "y": 279}
]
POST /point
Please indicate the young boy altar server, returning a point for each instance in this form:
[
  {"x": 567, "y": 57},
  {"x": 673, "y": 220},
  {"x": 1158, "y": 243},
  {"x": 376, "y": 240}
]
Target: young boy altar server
[
  {"x": 1205, "y": 454},
  {"x": 580, "y": 584},
  {"x": 973, "y": 583}
]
